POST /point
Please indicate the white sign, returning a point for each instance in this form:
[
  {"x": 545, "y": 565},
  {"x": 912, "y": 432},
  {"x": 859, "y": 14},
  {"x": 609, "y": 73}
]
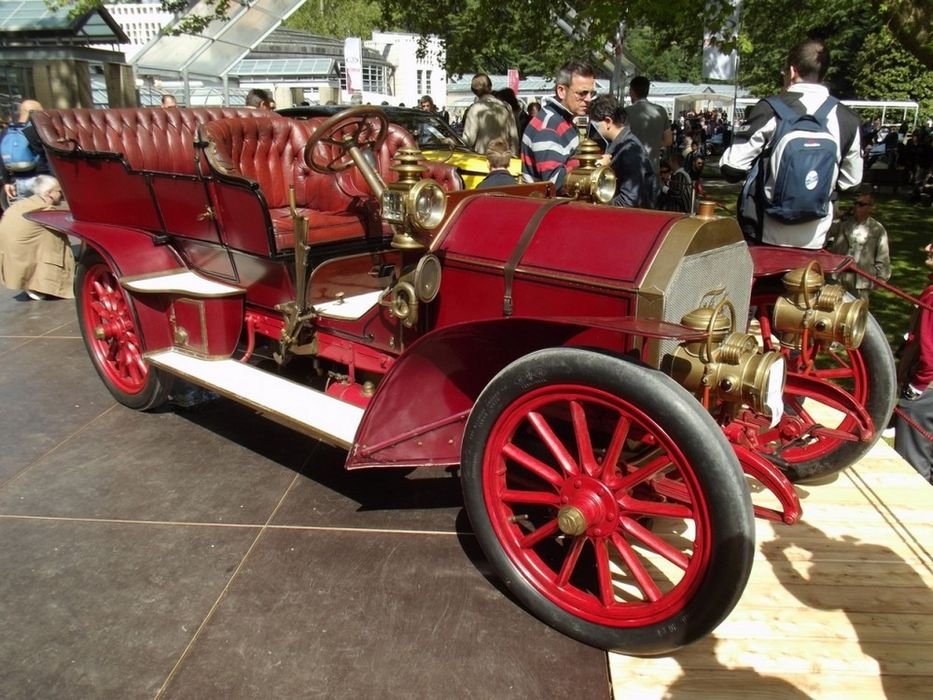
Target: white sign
[
  {"x": 353, "y": 62},
  {"x": 716, "y": 64}
]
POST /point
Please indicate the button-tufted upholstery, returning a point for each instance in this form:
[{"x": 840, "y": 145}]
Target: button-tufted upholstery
[
  {"x": 270, "y": 152},
  {"x": 244, "y": 144},
  {"x": 160, "y": 140}
]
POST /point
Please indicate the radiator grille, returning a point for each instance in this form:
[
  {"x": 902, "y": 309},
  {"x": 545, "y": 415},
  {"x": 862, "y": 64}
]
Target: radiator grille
[{"x": 703, "y": 279}]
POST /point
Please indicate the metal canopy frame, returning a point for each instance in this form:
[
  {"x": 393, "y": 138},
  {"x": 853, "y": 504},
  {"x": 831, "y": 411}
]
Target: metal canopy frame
[
  {"x": 32, "y": 23},
  {"x": 213, "y": 53}
]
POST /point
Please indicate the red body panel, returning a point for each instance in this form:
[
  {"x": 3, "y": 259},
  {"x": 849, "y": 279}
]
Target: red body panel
[
  {"x": 615, "y": 247},
  {"x": 476, "y": 250},
  {"x": 129, "y": 251},
  {"x": 129, "y": 199},
  {"x": 774, "y": 260},
  {"x": 212, "y": 326},
  {"x": 419, "y": 410}
]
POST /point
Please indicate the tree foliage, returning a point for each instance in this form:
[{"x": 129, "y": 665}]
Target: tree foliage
[
  {"x": 492, "y": 35},
  {"x": 867, "y": 62},
  {"x": 911, "y": 23},
  {"x": 886, "y": 71},
  {"x": 337, "y": 18},
  {"x": 660, "y": 58},
  {"x": 538, "y": 37}
]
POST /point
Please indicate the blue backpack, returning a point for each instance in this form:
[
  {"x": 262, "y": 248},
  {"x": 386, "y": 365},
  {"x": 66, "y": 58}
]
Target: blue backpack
[
  {"x": 802, "y": 164},
  {"x": 15, "y": 150}
]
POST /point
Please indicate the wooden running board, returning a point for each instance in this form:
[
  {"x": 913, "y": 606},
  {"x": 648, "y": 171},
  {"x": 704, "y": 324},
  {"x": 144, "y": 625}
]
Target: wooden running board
[{"x": 300, "y": 407}]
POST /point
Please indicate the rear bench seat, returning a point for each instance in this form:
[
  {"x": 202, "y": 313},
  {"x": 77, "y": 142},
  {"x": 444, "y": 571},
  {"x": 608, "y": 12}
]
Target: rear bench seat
[
  {"x": 134, "y": 167},
  {"x": 270, "y": 153},
  {"x": 159, "y": 140}
]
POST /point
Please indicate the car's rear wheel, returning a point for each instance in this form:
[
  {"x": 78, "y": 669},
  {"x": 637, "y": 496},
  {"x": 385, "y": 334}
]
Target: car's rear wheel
[
  {"x": 109, "y": 329},
  {"x": 607, "y": 500}
]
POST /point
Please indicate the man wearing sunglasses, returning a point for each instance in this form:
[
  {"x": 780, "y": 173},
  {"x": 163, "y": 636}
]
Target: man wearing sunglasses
[
  {"x": 862, "y": 237},
  {"x": 551, "y": 139}
]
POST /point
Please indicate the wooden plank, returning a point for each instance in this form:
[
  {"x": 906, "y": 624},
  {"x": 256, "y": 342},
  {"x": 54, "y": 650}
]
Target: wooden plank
[
  {"x": 744, "y": 683},
  {"x": 756, "y": 625},
  {"x": 838, "y": 606}
]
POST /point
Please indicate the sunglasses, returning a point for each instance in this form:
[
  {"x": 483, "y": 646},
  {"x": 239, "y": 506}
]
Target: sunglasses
[
  {"x": 583, "y": 94},
  {"x": 863, "y": 204}
]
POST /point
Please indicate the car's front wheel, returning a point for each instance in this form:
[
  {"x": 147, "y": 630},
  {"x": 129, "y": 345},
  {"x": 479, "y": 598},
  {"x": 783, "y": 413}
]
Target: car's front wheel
[
  {"x": 607, "y": 500},
  {"x": 108, "y": 327}
]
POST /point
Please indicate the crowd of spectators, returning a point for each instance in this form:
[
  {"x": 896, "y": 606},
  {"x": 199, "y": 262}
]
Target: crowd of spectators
[{"x": 908, "y": 153}]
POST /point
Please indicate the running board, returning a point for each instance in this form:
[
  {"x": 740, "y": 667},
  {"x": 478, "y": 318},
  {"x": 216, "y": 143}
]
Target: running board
[
  {"x": 179, "y": 282},
  {"x": 300, "y": 407}
]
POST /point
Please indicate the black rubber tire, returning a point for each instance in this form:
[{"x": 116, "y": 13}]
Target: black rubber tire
[
  {"x": 153, "y": 390},
  {"x": 716, "y": 473},
  {"x": 882, "y": 396}
]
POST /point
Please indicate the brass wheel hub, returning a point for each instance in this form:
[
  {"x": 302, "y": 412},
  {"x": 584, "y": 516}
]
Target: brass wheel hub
[{"x": 588, "y": 508}]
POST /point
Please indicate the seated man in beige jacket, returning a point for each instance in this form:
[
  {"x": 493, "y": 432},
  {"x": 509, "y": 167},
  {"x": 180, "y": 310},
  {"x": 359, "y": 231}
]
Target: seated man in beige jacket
[{"x": 32, "y": 258}]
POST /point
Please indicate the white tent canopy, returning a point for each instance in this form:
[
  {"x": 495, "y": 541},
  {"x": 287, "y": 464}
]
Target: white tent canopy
[
  {"x": 700, "y": 101},
  {"x": 890, "y": 110}
]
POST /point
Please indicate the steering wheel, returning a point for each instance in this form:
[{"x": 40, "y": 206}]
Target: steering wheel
[{"x": 345, "y": 134}]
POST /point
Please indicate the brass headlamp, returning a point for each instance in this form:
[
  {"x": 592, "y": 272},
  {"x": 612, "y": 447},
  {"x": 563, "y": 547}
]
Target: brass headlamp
[
  {"x": 414, "y": 207},
  {"x": 589, "y": 181},
  {"x": 811, "y": 304},
  {"x": 728, "y": 365}
]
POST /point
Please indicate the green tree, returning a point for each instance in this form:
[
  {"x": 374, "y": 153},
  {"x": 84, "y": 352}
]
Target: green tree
[
  {"x": 770, "y": 27},
  {"x": 911, "y": 22},
  {"x": 490, "y": 34},
  {"x": 659, "y": 58},
  {"x": 337, "y": 18},
  {"x": 886, "y": 71},
  {"x": 538, "y": 37},
  {"x": 867, "y": 61}
]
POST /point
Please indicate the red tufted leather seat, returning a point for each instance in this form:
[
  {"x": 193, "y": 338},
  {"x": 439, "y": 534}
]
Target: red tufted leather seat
[
  {"x": 160, "y": 140},
  {"x": 270, "y": 152},
  {"x": 245, "y": 144}
]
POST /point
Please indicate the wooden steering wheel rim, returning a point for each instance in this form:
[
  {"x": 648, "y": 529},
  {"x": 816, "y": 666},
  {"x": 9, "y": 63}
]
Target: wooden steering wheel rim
[{"x": 359, "y": 118}]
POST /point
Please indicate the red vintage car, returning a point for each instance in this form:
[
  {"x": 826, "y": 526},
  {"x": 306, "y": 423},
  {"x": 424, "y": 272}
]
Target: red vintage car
[{"x": 587, "y": 367}]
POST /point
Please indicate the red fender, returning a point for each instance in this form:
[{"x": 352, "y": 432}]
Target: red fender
[
  {"x": 129, "y": 252},
  {"x": 418, "y": 414},
  {"x": 774, "y": 480}
]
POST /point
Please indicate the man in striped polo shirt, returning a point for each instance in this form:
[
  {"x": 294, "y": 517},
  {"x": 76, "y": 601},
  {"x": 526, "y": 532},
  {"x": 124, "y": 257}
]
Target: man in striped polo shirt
[{"x": 551, "y": 139}]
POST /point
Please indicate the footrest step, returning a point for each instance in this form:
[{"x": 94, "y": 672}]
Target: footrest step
[
  {"x": 301, "y": 407},
  {"x": 179, "y": 282}
]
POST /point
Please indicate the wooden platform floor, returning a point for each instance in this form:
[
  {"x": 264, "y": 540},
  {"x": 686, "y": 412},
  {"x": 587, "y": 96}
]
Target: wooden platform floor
[{"x": 838, "y": 606}]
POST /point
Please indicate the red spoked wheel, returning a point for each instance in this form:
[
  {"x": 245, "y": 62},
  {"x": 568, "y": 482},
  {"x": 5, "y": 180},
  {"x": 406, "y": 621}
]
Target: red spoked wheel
[
  {"x": 607, "y": 500},
  {"x": 108, "y": 327},
  {"x": 821, "y": 432}
]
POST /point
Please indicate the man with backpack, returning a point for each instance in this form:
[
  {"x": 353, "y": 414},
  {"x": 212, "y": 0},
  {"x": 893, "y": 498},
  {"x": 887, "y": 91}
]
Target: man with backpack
[
  {"x": 22, "y": 155},
  {"x": 800, "y": 146}
]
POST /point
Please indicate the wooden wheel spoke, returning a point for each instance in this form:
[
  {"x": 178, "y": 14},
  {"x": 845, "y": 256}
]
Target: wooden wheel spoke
[
  {"x": 584, "y": 444},
  {"x": 616, "y": 445},
  {"x": 637, "y": 569},
  {"x": 541, "y": 533},
  {"x": 570, "y": 561},
  {"x": 542, "y": 498},
  {"x": 604, "y": 574},
  {"x": 644, "y": 472},
  {"x": 532, "y": 464},
  {"x": 554, "y": 444},
  {"x": 655, "y": 508},
  {"x": 655, "y": 543}
]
